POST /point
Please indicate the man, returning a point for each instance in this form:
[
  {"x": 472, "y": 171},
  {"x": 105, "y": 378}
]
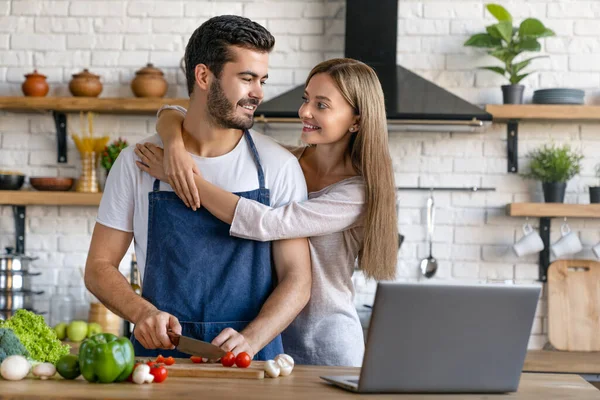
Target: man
[{"x": 196, "y": 279}]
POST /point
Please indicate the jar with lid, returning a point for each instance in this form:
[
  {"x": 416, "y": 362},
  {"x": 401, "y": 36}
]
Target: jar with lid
[{"x": 62, "y": 306}]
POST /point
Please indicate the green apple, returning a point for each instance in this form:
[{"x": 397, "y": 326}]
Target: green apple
[
  {"x": 93, "y": 329},
  {"x": 61, "y": 330},
  {"x": 77, "y": 331}
]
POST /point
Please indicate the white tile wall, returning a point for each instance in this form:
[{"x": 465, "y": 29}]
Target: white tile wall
[{"x": 473, "y": 235}]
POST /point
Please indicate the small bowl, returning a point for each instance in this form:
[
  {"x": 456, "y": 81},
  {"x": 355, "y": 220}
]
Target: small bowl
[
  {"x": 52, "y": 183},
  {"x": 11, "y": 181}
]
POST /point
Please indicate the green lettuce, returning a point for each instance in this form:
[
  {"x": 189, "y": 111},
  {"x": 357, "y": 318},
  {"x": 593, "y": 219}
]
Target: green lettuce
[{"x": 38, "y": 338}]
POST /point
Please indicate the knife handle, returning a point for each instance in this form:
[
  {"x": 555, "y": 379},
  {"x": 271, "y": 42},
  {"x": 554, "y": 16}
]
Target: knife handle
[{"x": 174, "y": 337}]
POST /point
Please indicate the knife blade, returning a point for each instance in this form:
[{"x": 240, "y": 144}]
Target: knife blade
[{"x": 196, "y": 347}]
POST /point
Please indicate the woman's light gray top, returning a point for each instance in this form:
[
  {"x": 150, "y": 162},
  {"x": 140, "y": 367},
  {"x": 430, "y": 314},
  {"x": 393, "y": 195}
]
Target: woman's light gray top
[{"x": 328, "y": 330}]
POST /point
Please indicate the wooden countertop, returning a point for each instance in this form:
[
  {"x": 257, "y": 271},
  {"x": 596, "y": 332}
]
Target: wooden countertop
[
  {"x": 562, "y": 362},
  {"x": 304, "y": 383}
]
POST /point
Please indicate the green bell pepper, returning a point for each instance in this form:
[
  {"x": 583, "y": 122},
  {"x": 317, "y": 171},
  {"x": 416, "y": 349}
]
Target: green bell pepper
[{"x": 106, "y": 358}]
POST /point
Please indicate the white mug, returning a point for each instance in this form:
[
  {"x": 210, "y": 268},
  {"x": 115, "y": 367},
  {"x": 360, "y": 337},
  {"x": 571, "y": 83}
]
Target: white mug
[
  {"x": 569, "y": 243},
  {"x": 530, "y": 243}
]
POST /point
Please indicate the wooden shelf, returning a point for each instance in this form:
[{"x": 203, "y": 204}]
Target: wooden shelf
[
  {"x": 114, "y": 105},
  {"x": 553, "y": 210},
  {"x": 541, "y": 112},
  {"x": 26, "y": 197}
]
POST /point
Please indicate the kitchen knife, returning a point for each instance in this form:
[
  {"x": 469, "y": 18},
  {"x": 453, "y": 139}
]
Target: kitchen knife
[{"x": 196, "y": 347}]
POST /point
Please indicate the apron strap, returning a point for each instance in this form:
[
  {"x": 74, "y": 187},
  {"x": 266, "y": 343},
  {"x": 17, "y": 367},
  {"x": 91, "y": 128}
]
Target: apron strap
[
  {"x": 156, "y": 186},
  {"x": 261, "y": 175}
]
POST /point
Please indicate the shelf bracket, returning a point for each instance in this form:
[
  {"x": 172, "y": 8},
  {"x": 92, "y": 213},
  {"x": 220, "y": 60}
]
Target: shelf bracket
[
  {"x": 512, "y": 145},
  {"x": 19, "y": 215},
  {"x": 544, "y": 262},
  {"x": 60, "y": 120}
]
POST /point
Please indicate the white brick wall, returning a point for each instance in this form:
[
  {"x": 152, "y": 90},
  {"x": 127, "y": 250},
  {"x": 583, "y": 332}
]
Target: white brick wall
[{"x": 473, "y": 235}]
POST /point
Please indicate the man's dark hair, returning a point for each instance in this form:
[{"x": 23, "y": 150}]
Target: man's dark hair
[{"x": 209, "y": 43}]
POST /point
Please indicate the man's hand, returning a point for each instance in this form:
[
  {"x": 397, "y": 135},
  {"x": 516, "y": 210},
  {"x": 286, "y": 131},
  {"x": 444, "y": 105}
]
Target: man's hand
[
  {"x": 151, "y": 330},
  {"x": 231, "y": 340}
]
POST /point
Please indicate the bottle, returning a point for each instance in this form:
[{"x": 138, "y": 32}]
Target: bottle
[
  {"x": 134, "y": 281},
  {"x": 62, "y": 306}
]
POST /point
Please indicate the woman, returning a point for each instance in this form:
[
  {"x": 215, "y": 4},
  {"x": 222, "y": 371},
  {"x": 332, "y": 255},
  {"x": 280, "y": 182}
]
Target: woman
[{"x": 350, "y": 212}]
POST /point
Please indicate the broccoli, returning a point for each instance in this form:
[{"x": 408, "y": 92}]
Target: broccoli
[{"x": 10, "y": 344}]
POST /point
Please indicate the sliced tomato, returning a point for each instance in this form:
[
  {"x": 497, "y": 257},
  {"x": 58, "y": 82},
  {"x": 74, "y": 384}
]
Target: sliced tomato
[
  {"x": 160, "y": 359},
  {"x": 243, "y": 360},
  {"x": 169, "y": 360},
  {"x": 228, "y": 359},
  {"x": 196, "y": 359},
  {"x": 159, "y": 373}
]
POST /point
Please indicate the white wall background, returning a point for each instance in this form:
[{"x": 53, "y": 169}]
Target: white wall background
[{"x": 473, "y": 235}]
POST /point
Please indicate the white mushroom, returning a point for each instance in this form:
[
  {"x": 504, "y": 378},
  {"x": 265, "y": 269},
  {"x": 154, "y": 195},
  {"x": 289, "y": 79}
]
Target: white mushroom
[
  {"x": 14, "y": 368},
  {"x": 272, "y": 369},
  {"x": 44, "y": 370},
  {"x": 286, "y": 364},
  {"x": 142, "y": 374}
]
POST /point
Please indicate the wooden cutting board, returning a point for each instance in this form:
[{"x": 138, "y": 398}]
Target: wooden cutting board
[
  {"x": 574, "y": 305},
  {"x": 185, "y": 368}
]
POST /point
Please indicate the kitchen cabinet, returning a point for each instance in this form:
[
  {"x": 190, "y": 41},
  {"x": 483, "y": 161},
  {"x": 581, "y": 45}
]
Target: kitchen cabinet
[{"x": 304, "y": 383}]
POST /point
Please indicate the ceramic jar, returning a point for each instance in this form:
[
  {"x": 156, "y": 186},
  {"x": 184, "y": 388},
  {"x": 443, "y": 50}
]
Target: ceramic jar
[
  {"x": 35, "y": 85},
  {"x": 149, "y": 82},
  {"x": 85, "y": 84}
]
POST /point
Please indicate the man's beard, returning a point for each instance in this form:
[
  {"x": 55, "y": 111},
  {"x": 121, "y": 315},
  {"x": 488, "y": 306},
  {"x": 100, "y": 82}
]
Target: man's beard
[{"x": 223, "y": 112}]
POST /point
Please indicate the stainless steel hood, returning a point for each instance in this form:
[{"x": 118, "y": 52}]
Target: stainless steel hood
[{"x": 411, "y": 101}]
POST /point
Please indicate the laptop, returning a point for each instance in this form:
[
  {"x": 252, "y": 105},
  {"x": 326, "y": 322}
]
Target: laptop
[{"x": 445, "y": 338}]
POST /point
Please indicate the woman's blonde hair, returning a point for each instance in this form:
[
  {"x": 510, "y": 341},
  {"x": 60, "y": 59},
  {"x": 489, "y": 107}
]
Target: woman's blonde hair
[{"x": 370, "y": 156}]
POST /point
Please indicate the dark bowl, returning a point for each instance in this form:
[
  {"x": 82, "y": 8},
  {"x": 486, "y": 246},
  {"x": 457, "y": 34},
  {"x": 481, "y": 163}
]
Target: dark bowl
[
  {"x": 51, "y": 183},
  {"x": 11, "y": 181}
]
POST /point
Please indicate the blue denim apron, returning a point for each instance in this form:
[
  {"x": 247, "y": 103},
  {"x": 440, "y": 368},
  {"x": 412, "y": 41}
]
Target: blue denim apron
[{"x": 198, "y": 273}]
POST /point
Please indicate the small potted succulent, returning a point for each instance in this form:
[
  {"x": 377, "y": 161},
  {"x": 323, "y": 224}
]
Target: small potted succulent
[
  {"x": 506, "y": 43},
  {"x": 553, "y": 166},
  {"x": 595, "y": 190}
]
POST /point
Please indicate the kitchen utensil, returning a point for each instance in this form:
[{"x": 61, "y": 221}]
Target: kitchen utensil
[
  {"x": 85, "y": 84},
  {"x": 11, "y": 181},
  {"x": 531, "y": 242},
  {"x": 16, "y": 280},
  {"x": 109, "y": 321},
  {"x": 14, "y": 262},
  {"x": 196, "y": 347},
  {"x": 15, "y": 300},
  {"x": 51, "y": 183},
  {"x": 35, "y": 85},
  {"x": 569, "y": 242},
  {"x": 149, "y": 82},
  {"x": 185, "y": 368},
  {"x": 574, "y": 305},
  {"x": 429, "y": 265}
]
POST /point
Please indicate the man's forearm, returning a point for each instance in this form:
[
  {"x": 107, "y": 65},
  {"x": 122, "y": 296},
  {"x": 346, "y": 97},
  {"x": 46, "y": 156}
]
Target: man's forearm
[
  {"x": 105, "y": 282},
  {"x": 283, "y": 305}
]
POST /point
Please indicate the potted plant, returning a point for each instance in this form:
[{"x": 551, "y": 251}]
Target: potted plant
[
  {"x": 110, "y": 154},
  {"x": 553, "y": 166},
  {"x": 595, "y": 190},
  {"x": 505, "y": 42}
]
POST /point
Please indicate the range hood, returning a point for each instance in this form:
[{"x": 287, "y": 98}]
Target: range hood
[{"x": 410, "y": 100}]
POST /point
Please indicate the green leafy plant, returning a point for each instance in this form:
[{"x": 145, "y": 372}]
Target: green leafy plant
[
  {"x": 505, "y": 42},
  {"x": 111, "y": 152},
  {"x": 553, "y": 164}
]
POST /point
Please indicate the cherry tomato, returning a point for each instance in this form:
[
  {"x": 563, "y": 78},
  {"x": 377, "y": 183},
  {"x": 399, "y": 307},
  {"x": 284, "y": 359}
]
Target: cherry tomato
[
  {"x": 196, "y": 359},
  {"x": 151, "y": 363},
  {"x": 159, "y": 373},
  {"x": 160, "y": 359},
  {"x": 228, "y": 359},
  {"x": 243, "y": 360},
  {"x": 169, "y": 360},
  {"x": 130, "y": 377}
]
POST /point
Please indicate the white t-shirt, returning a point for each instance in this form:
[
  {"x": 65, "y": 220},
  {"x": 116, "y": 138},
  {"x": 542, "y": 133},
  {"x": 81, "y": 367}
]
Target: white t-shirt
[{"x": 124, "y": 204}]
